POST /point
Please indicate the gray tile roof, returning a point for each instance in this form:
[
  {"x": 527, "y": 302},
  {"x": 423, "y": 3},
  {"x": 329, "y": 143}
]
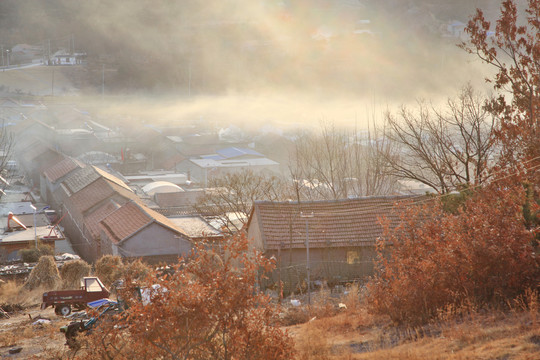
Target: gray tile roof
[{"x": 336, "y": 223}]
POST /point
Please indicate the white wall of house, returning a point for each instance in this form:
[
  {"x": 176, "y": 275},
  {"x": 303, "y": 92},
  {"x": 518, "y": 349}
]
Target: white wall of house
[{"x": 153, "y": 240}]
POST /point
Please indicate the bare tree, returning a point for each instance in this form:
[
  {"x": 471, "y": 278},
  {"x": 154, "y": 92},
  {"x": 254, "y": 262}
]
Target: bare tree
[
  {"x": 6, "y": 150},
  {"x": 230, "y": 197},
  {"x": 337, "y": 164},
  {"x": 443, "y": 149}
]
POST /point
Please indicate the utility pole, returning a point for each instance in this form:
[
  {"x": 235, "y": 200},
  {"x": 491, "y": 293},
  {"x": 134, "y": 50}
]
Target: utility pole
[
  {"x": 308, "y": 270},
  {"x": 102, "y": 80},
  {"x": 189, "y": 78},
  {"x": 2, "y": 47}
]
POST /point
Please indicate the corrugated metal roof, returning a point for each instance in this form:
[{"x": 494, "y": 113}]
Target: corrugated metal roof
[{"x": 232, "y": 152}]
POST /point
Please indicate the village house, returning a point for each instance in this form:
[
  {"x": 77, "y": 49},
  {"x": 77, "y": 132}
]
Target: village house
[
  {"x": 341, "y": 235},
  {"x": 136, "y": 231},
  {"x": 227, "y": 160},
  {"x": 52, "y": 177},
  {"x": 24, "y": 229},
  {"x": 85, "y": 191}
]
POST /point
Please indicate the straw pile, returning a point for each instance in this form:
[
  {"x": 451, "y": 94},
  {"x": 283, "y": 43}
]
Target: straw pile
[
  {"x": 109, "y": 268},
  {"x": 136, "y": 270},
  {"x": 45, "y": 274},
  {"x": 72, "y": 273}
]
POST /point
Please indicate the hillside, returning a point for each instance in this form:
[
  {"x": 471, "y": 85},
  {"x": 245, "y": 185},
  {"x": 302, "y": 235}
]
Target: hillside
[
  {"x": 351, "y": 334},
  {"x": 41, "y": 80}
]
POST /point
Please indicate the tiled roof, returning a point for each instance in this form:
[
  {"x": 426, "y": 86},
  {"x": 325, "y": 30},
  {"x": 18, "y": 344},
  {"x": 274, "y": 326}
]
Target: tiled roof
[
  {"x": 91, "y": 222},
  {"x": 79, "y": 179},
  {"x": 61, "y": 169},
  {"x": 336, "y": 223},
  {"x": 83, "y": 177},
  {"x": 111, "y": 177},
  {"x": 132, "y": 217},
  {"x": 96, "y": 192}
]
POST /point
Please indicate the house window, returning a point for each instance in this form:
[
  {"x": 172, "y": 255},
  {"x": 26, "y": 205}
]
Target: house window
[{"x": 353, "y": 257}]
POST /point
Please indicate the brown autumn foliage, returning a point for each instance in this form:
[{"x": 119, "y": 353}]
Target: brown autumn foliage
[
  {"x": 483, "y": 254},
  {"x": 208, "y": 309},
  {"x": 514, "y": 52}
]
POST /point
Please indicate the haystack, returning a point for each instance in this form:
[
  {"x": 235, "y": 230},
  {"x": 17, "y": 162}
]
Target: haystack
[
  {"x": 72, "y": 273},
  {"x": 109, "y": 268},
  {"x": 136, "y": 270},
  {"x": 45, "y": 274}
]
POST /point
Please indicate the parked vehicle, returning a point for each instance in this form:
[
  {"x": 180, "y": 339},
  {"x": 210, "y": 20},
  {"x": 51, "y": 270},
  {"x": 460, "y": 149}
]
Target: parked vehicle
[{"x": 63, "y": 300}]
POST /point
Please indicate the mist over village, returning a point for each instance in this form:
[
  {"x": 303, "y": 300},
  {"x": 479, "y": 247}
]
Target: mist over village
[{"x": 231, "y": 179}]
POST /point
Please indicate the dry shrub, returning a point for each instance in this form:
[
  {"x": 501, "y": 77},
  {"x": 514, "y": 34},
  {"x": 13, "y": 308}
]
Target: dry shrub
[
  {"x": 323, "y": 304},
  {"x": 480, "y": 255},
  {"x": 109, "y": 268},
  {"x": 45, "y": 275},
  {"x": 352, "y": 298},
  {"x": 72, "y": 273},
  {"x": 528, "y": 302},
  {"x": 33, "y": 254},
  {"x": 294, "y": 316}
]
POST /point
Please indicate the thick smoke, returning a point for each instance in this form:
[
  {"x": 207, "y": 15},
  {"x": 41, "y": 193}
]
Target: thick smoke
[{"x": 285, "y": 61}]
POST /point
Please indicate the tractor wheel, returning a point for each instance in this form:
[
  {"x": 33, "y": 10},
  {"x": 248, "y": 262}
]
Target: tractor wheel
[{"x": 63, "y": 310}]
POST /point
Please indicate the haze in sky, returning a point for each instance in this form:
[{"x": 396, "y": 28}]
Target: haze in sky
[{"x": 252, "y": 62}]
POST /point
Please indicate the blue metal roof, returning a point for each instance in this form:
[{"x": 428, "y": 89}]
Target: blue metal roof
[{"x": 233, "y": 152}]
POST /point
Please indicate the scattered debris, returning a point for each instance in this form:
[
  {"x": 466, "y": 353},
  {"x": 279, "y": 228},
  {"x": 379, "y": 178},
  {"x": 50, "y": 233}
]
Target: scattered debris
[
  {"x": 4, "y": 314},
  {"x": 11, "y": 308},
  {"x": 75, "y": 327},
  {"x": 15, "y": 350},
  {"x": 41, "y": 322},
  {"x": 66, "y": 257},
  {"x": 295, "y": 302},
  {"x": 38, "y": 317}
]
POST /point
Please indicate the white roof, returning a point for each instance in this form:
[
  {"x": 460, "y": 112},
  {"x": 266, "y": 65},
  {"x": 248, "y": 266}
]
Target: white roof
[
  {"x": 195, "y": 226},
  {"x": 17, "y": 208},
  {"x": 28, "y": 234},
  {"x": 161, "y": 187},
  {"x": 211, "y": 163}
]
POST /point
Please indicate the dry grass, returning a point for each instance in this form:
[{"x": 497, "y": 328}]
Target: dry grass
[
  {"x": 458, "y": 333},
  {"x": 12, "y": 293}
]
